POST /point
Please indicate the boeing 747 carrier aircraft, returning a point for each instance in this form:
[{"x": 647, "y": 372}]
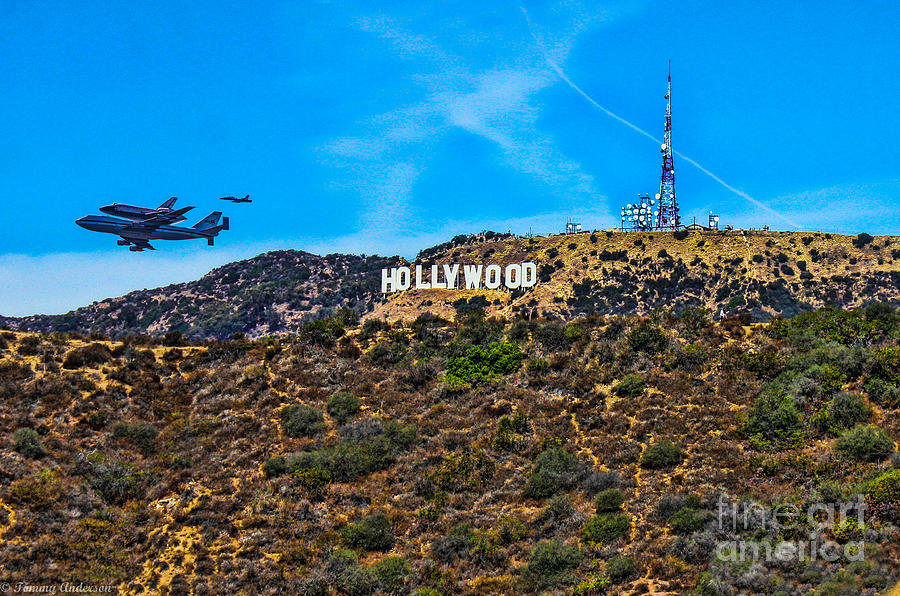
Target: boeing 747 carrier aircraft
[{"x": 144, "y": 224}]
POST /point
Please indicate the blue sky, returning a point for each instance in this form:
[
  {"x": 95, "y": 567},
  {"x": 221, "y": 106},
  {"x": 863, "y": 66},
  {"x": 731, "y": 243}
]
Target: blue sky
[{"x": 388, "y": 127}]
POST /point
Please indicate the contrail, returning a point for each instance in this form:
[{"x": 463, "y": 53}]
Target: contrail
[{"x": 559, "y": 71}]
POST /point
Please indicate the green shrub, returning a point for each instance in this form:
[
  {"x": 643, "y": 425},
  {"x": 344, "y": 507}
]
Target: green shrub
[
  {"x": 372, "y": 532},
  {"x": 454, "y": 545},
  {"x": 620, "y": 569},
  {"x": 558, "y": 509},
  {"x": 773, "y": 417},
  {"x": 28, "y": 443},
  {"x": 687, "y": 520},
  {"x": 886, "y": 364},
  {"x": 342, "y": 406},
  {"x": 312, "y": 479},
  {"x": 301, "y": 421},
  {"x": 357, "y": 581},
  {"x": 484, "y": 362},
  {"x": 340, "y": 560},
  {"x": 554, "y": 470},
  {"x": 550, "y": 564},
  {"x": 275, "y": 466},
  {"x": 11, "y": 370},
  {"x": 463, "y": 470},
  {"x": 511, "y": 530},
  {"x": 141, "y": 435},
  {"x": 37, "y": 492},
  {"x": 117, "y": 483},
  {"x": 509, "y": 435},
  {"x": 765, "y": 364},
  {"x": 630, "y": 386},
  {"x": 648, "y": 338},
  {"x": 552, "y": 337},
  {"x": 605, "y": 528},
  {"x": 609, "y": 500},
  {"x": 324, "y": 332},
  {"x": 30, "y": 345},
  {"x": 862, "y": 240},
  {"x": 866, "y": 443},
  {"x": 394, "y": 574},
  {"x": 385, "y": 353},
  {"x": 848, "y": 409},
  {"x": 885, "y": 490},
  {"x": 537, "y": 367},
  {"x": 887, "y": 395},
  {"x": 90, "y": 355},
  {"x": 593, "y": 584},
  {"x": 661, "y": 454},
  {"x": 368, "y": 446}
]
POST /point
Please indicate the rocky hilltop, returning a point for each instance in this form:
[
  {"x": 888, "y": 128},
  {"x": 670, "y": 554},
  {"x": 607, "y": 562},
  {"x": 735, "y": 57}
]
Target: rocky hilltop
[
  {"x": 275, "y": 292},
  {"x": 760, "y": 274},
  {"x": 757, "y": 274}
]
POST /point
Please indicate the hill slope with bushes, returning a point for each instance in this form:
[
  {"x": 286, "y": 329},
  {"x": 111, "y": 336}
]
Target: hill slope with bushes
[
  {"x": 471, "y": 455},
  {"x": 756, "y": 274}
]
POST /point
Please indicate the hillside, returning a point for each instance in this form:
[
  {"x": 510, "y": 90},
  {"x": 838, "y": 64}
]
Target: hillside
[
  {"x": 276, "y": 292},
  {"x": 759, "y": 274},
  {"x": 473, "y": 456}
]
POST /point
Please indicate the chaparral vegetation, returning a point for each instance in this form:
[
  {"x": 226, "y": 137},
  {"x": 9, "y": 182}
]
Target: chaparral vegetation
[{"x": 466, "y": 455}]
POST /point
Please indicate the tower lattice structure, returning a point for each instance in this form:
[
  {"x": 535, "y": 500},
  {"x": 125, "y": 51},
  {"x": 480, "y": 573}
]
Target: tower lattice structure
[{"x": 667, "y": 217}]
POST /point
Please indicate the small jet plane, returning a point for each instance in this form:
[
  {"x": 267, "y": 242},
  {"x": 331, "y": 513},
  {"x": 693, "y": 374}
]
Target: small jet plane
[
  {"x": 164, "y": 213},
  {"x": 245, "y": 199},
  {"x": 137, "y": 234}
]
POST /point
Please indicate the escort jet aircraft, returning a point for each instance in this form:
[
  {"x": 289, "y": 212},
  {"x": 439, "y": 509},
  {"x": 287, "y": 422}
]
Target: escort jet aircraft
[
  {"x": 136, "y": 235},
  {"x": 164, "y": 213},
  {"x": 245, "y": 199}
]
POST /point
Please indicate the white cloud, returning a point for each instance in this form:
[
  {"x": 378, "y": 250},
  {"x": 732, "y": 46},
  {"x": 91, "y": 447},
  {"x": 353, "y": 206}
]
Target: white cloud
[
  {"x": 843, "y": 209},
  {"x": 384, "y": 160},
  {"x": 57, "y": 283}
]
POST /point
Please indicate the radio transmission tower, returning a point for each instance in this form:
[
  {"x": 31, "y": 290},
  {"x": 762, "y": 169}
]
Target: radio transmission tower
[{"x": 667, "y": 217}]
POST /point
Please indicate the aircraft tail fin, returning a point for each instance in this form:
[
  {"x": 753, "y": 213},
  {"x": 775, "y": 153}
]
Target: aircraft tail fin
[
  {"x": 208, "y": 222},
  {"x": 212, "y": 232},
  {"x": 168, "y": 204}
]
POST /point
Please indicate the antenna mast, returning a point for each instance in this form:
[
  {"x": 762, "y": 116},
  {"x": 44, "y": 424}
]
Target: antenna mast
[{"x": 667, "y": 215}]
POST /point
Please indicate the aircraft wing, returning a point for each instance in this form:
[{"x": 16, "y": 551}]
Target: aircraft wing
[
  {"x": 137, "y": 244},
  {"x": 159, "y": 219},
  {"x": 141, "y": 228}
]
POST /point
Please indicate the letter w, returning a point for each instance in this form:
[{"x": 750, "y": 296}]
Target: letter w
[{"x": 473, "y": 276}]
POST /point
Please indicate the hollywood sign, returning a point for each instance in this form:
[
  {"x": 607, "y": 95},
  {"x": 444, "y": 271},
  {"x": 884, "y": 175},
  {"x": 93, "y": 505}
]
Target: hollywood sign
[{"x": 447, "y": 277}]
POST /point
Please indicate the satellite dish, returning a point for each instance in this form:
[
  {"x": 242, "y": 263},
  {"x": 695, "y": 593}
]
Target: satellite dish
[
  {"x": 658, "y": 196},
  {"x": 652, "y": 202},
  {"x": 663, "y": 146},
  {"x": 644, "y": 205}
]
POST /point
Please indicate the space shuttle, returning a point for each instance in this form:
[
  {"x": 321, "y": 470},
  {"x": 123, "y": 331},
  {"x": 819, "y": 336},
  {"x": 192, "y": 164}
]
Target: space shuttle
[{"x": 164, "y": 214}]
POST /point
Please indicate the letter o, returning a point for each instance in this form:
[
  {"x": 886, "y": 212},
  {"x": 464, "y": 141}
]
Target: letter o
[
  {"x": 492, "y": 277},
  {"x": 403, "y": 278},
  {"x": 511, "y": 283}
]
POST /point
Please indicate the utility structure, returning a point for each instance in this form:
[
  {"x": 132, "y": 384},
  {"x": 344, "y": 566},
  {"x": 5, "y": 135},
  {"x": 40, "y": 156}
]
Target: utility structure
[
  {"x": 572, "y": 227},
  {"x": 638, "y": 217},
  {"x": 667, "y": 217}
]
